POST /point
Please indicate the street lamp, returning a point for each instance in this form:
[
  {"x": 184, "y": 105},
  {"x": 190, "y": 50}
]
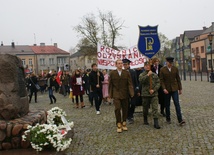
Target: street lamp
[
  {"x": 184, "y": 68},
  {"x": 210, "y": 37}
]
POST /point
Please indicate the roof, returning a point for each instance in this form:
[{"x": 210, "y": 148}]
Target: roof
[
  {"x": 192, "y": 33},
  {"x": 77, "y": 54},
  {"x": 48, "y": 50},
  {"x": 210, "y": 29},
  {"x": 16, "y": 50}
]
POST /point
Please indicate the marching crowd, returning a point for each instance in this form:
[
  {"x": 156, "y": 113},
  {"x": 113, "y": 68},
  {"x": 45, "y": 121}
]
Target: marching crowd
[{"x": 126, "y": 88}]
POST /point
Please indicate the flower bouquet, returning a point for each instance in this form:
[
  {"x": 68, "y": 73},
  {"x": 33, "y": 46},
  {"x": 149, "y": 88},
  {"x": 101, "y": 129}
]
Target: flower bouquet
[{"x": 51, "y": 135}]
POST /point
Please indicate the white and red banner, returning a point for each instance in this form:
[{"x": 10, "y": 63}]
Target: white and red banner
[{"x": 107, "y": 56}]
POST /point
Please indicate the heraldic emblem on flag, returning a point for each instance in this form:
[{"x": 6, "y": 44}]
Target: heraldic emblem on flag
[{"x": 148, "y": 42}]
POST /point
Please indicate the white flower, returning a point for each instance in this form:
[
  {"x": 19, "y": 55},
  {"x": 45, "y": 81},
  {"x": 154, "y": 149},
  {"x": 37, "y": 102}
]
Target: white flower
[{"x": 51, "y": 132}]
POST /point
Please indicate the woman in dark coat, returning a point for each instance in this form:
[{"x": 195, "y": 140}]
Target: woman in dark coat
[
  {"x": 77, "y": 88},
  {"x": 50, "y": 84},
  {"x": 32, "y": 81}
]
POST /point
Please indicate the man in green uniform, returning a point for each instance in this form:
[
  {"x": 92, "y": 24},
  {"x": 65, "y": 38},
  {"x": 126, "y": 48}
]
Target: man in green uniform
[{"x": 150, "y": 84}]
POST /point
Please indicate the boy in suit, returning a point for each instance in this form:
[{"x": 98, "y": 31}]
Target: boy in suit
[
  {"x": 120, "y": 89},
  {"x": 171, "y": 85},
  {"x": 132, "y": 101}
]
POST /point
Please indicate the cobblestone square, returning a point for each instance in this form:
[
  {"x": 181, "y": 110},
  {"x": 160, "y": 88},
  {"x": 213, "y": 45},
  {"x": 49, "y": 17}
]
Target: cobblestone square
[{"x": 96, "y": 134}]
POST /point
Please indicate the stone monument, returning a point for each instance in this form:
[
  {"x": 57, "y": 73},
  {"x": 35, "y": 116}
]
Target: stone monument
[
  {"x": 13, "y": 95},
  {"x": 15, "y": 115}
]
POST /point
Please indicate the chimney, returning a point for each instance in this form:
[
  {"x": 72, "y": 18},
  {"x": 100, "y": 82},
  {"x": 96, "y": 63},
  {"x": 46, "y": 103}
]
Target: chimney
[
  {"x": 2, "y": 43},
  {"x": 55, "y": 44},
  {"x": 34, "y": 44},
  {"x": 13, "y": 44},
  {"x": 204, "y": 27},
  {"x": 42, "y": 44}
]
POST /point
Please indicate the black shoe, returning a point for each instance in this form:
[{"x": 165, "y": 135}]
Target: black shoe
[
  {"x": 145, "y": 121},
  {"x": 51, "y": 103},
  {"x": 156, "y": 125},
  {"x": 163, "y": 114},
  {"x": 168, "y": 120},
  {"x": 55, "y": 101},
  {"x": 130, "y": 120},
  {"x": 182, "y": 123}
]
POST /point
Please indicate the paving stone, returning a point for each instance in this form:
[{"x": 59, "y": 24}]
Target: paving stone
[{"x": 96, "y": 134}]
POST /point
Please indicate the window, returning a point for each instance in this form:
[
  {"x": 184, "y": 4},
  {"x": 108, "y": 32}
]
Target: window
[
  {"x": 30, "y": 62},
  {"x": 193, "y": 63},
  {"x": 197, "y": 50},
  {"x": 61, "y": 60},
  {"x": 42, "y": 61},
  {"x": 89, "y": 61},
  {"x": 23, "y": 62},
  {"x": 51, "y": 61},
  {"x": 202, "y": 49},
  {"x": 193, "y": 49}
]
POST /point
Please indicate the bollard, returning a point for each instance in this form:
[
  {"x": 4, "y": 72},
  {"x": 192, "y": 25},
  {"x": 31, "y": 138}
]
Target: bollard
[
  {"x": 208, "y": 76},
  {"x": 195, "y": 76}
]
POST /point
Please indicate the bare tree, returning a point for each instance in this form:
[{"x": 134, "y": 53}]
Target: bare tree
[
  {"x": 86, "y": 47},
  {"x": 114, "y": 25},
  {"x": 104, "y": 30},
  {"x": 89, "y": 29}
]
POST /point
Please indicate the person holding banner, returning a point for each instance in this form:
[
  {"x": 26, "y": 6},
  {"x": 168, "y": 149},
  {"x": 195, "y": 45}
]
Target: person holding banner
[
  {"x": 95, "y": 79},
  {"x": 120, "y": 89},
  {"x": 132, "y": 101},
  {"x": 150, "y": 84},
  {"x": 105, "y": 87}
]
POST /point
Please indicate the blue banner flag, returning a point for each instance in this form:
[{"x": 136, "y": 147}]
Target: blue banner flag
[{"x": 148, "y": 42}]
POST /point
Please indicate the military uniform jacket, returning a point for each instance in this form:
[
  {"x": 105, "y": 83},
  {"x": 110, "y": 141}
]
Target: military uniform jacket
[
  {"x": 144, "y": 81},
  {"x": 170, "y": 80},
  {"x": 120, "y": 86}
]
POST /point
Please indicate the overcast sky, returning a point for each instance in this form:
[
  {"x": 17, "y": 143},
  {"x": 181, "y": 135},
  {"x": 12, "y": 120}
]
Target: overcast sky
[{"x": 51, "y": 21}]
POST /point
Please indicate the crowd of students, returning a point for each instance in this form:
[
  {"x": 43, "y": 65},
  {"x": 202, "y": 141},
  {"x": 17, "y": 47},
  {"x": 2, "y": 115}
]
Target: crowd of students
[{"x": 128, "y": 88}]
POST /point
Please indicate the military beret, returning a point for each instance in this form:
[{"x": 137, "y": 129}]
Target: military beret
[
  {"x": 126, "y": 61},
  {"x": 169, "y": 59}
]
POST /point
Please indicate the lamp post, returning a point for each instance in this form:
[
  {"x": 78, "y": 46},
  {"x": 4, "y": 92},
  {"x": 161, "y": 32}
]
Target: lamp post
[
  {"x": 210, "y": 37},
  {"x": 184, "y": 68}
]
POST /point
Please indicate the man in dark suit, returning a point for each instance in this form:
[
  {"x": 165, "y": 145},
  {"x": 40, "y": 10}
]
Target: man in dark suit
[
  {"x": 95, "y": 79},
  {"x": 120, "y": 89},
  {"x": 171, "y": 85},
  {"x": 132, "y": 101},
  {"x": 156, "y": 67}
]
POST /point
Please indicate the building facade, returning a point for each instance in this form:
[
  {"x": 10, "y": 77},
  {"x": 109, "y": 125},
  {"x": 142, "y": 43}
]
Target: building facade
[
  {"x": 79, "y": 60},
  {"x": 50, "y": 58},
  {"x": 39, "y": 58}
]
